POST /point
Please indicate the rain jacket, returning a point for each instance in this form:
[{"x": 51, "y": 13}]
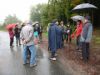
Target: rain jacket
[
  {"x": 53, "y": 37},
  {"x": 78, "y": 30},
  {"x": 86, "y": 34}
]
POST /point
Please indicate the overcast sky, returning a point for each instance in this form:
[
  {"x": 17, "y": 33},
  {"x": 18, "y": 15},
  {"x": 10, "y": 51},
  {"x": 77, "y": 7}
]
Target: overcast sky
[{"x": 19, "y": 7}]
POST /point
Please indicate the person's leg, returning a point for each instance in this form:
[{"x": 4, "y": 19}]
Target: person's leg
[
  {"x": 17, "y": 41},
  {"x": 87, "y": 51},
  {"x": 33, "y": 54},
  {"x": 66, "y": 37},
  {"x": 11, "y": 41},
  {"x": 84, "y": 51},
  {"x": 53, "y": 56},
  {"x": 25, "y": 54},
  {"x": 77, "y": 43}
]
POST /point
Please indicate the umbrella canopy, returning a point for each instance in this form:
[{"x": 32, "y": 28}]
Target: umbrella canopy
[
  {"x": 77, "y": 17},
  {"x": 84, "y": 6},
  {"x": 10, "y": 26}
]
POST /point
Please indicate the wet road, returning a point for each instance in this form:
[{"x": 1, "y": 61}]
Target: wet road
[{"x": 11, "y": 61}]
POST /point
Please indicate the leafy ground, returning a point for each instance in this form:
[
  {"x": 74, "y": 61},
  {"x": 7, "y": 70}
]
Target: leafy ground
[{"x": 72, "y": 58}]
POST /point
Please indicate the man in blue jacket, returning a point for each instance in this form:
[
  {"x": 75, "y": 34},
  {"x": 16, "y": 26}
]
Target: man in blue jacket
[
  {"x": 53, "y": 38},
  {"x": 86, "y": 36}
]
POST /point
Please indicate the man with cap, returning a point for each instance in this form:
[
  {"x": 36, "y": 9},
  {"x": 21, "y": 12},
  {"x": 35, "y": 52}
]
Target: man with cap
[
  {"x": 86, "y": 36},
  {"x": 27, "y": 39}
]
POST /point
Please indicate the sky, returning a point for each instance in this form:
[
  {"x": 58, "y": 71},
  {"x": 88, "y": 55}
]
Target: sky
[{"x": 21, "y": 8}]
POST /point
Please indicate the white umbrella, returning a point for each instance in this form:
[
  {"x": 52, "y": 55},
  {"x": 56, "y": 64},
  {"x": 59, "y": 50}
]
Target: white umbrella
[
  {"x": 84, "y": 6},
  {"x": 77, "y": 17}
]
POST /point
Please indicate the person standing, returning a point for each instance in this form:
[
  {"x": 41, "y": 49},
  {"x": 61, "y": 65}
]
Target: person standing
[
  {"x": 17, "y": 35},
  {"x": 62, "y": 34},
  {"x": 52, "y": 38},
  {"x": 11, "y": 35},
  {"x": 27, "y": 39},
  {"x": 85, "y": 39},
  {"x": 77, "y": 33},
  {"x": 68, "y": 33}
]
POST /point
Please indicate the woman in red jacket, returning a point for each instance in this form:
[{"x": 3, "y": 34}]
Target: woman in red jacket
[
  {"x": 77, "y": 33},
  {"x": 11, "y": 35}
]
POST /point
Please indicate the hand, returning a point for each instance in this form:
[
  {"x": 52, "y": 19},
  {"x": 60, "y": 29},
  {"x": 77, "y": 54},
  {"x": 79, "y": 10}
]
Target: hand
[{"x": 24, "y": 41}]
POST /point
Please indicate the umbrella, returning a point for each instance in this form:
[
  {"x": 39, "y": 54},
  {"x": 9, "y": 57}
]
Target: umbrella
[
  {"x": 77, "y": 17},
  {"x": 84, "y": 6},
  {"x": 10, "y": 26}
]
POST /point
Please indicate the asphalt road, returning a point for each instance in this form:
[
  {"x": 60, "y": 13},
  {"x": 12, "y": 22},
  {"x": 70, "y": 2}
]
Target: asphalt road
[{"x": 11, "y": 62}]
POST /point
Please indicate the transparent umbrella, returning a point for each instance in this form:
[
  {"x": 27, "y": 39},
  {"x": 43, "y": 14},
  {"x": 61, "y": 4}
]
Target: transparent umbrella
[{"x": 77, "y": 17}]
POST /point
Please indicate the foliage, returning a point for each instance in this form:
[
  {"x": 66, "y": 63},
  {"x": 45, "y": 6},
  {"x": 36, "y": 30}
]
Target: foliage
[
  {"x": 57, "y": 9},
  {"x": 11, "y": 19}
]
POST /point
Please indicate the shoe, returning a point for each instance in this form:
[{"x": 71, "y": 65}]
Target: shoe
[
  {"x": 54, "y": 59},
  {"x": 33, "y": 65}
]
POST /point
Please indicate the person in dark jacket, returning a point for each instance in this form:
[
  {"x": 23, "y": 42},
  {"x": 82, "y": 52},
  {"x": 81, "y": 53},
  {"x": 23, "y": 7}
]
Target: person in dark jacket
[
  {"x": 68, "y": 33},
  {"x": 86, "y": 37},
  {"x": 17, "y": 35},
  {"x": 62, "y": 33},
  {"x": 53, "y": 38}
]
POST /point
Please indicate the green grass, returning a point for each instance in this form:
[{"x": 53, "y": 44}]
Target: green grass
[
  {"x": 97, "y": 40},
  {"x": 2, "y": 28}
]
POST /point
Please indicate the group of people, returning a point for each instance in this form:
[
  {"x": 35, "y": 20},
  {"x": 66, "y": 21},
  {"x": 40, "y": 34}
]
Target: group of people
[
  {"x": 14, "y": 32},
  {"x": 82, "y": 33},
  {"x": 56, "y": 36},
  {"x": 29, "y": 36}
]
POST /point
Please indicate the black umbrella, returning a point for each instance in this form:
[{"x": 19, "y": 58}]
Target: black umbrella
[{"x": 84, "y": 7}]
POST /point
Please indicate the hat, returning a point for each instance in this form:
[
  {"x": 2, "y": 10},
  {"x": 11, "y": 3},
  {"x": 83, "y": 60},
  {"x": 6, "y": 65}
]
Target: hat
[{"x": 29, "y": 22}]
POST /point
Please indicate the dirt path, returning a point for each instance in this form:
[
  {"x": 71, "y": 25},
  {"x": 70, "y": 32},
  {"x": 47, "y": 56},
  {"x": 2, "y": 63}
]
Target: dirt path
[{"x": 69, "y": 57}]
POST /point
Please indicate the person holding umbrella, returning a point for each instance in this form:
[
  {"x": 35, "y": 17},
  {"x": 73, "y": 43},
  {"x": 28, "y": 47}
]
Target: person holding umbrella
[
  {"x": 86, "y": 37},
  {"x": 11, "y": 35},
  {"x": 10, "y": 27}
]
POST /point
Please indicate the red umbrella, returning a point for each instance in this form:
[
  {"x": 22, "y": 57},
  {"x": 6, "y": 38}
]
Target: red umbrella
[{"x": 10, "y": 26}]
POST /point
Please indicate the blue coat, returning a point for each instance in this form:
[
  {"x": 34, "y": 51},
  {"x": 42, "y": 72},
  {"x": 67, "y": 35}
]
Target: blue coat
[{"x": 53, "y": 37}]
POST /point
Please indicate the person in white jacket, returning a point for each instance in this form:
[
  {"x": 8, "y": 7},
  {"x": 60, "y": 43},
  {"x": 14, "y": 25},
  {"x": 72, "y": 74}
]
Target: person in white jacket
[{"x": 27, "y": 39}]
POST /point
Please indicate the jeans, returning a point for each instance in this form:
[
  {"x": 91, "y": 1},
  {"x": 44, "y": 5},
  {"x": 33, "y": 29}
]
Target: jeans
[
  {"x": 17, "y": 40},
  {"x": 33, "y": 54}
]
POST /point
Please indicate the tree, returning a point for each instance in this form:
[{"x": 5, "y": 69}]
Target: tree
[{"x": 11, "y": 19}]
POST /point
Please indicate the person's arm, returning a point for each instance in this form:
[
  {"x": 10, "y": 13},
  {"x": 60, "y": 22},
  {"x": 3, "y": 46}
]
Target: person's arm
[
  {"x": 89, "y": 34},
  {"x": 21, "y": 35},
  {"x": 30, "y": 35}
]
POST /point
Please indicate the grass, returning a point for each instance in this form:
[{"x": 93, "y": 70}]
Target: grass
[{"x": 2, "y": 28}]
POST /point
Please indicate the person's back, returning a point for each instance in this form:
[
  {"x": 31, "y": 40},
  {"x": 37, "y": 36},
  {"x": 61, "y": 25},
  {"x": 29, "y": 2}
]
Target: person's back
[
  {"x": 27, "y": 38},
  {"x": 27, "y": 33}
]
